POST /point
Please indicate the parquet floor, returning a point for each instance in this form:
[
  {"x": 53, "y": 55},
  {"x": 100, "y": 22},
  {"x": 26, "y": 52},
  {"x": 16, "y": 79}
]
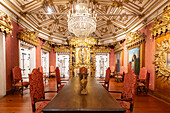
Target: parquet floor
[{"x": 22, "y": 104}]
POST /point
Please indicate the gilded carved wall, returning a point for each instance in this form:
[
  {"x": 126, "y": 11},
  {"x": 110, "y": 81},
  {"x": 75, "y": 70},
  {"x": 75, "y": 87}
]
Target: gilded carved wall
[{"x": 5, "y": 23}]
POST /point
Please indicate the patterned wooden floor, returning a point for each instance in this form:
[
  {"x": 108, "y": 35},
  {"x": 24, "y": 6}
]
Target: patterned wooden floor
[{"x": 22, "y": 104}]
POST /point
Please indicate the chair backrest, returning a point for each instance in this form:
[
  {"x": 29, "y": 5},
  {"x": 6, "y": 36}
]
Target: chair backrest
[
  {"x": 36, "y": 85},
  {"x": 52, "y": 68},
  {"x": 129, "y": 86},
  {"x": 112, "y": 68},
  {"x": 83, "y": 69},
  {"x": 58, "y": 79},
  {"x": 129, "y": 67},
  {"x": 40, "y": 69},
  {"x": 16, "y": 71},
  {"x": 122, "y": 70},
  {"x": 107, "y": 77},
  {"x": 143, "y": 73}
]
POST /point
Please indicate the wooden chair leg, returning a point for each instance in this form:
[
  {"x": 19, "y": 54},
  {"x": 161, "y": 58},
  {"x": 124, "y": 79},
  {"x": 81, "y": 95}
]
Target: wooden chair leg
[
  {"x": 33, "y": 107},
  {"x": 131, "y": 107}
]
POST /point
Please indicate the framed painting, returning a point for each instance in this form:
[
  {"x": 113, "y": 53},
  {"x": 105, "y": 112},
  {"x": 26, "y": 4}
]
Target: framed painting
[
  {"x": 118, "y": 62},
  {"x": 134, "y": 59}
]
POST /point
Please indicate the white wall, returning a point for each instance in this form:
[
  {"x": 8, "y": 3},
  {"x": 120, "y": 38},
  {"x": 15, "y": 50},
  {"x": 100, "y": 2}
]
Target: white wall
[{"x": 2, "y": 65}]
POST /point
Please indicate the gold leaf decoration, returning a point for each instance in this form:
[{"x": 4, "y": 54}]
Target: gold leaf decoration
[
  {"x": 62, "y": 49},
  {"x": 29, "y": 37},
  {"x": 46, "y": 46},
  {"x": 162, "y": 24},
  {"x": 161, "y": 68},
  {"x": 102, "y": 49},
  {"x": 134, "y": 38},
  {"x": 5, "y": 23},
  {"x": 118, "y": 48}
]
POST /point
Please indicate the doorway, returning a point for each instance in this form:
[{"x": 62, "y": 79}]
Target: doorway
[
  {"x": 102, "y": 63},
  {"x": 45, "y": 61}
]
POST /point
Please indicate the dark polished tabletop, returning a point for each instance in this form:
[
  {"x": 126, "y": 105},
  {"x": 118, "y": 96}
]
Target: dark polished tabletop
[{"x": 69, "y": 99}]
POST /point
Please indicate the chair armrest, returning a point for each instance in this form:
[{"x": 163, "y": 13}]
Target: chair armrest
[
  {"x": 114, "y": 91},
  {"x": 50, "y": 91}
]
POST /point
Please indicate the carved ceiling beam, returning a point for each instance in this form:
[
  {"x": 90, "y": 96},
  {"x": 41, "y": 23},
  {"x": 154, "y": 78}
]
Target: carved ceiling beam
[
  {"x": 161, "y": 25},
  {"x": 134, "y": 38},
  {"x": 29, "y": 37},
  {"x": 118, "y": 48},
  {"x": 46, "y": 46},
  {"x": 5, "y": 23}
]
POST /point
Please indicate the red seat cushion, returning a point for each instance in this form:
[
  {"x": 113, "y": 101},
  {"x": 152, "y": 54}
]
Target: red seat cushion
[
  {"x": 19, "y": 84},
  {"x": 125, "y": 105},
  {"x": 40, "y": 106}
]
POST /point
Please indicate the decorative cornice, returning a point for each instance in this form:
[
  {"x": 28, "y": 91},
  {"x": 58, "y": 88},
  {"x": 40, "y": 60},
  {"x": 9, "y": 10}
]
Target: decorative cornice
[
  {"x": 62, "y": 49},
  {"x": 118, "y": 47},
  {"x": 134, "y": 38},
  {"x": 162, "y": 24},
  {"x": 102, "y": 49},
  {"x": 160, "y": 61},
  {"x": 5, "y": 23},
  {"x": 46, "y": 46},
  {"x": 29, "y": 37}
]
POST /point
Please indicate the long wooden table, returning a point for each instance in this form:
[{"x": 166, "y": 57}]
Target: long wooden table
[{"x": 69, "y": 99}]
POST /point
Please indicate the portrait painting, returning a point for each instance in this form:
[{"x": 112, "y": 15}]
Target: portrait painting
[
  {"x": 134, "y": 58},
  {"x": 118, "y": 62},
  {"x": 168, "y": 60}
]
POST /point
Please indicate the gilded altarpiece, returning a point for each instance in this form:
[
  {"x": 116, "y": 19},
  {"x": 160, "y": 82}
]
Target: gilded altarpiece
[{"x": 160, "y": 31}]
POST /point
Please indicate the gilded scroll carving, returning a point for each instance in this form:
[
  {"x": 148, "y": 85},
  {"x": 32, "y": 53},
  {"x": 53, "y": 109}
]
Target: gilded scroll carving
[
  {"x": 162, "y": 65},
  {"x": 29, "y": 37},
  {"x": 134, "y": 38},
  {"x": 46, "y": 46},
  {"x": 5, "y": 23},
  {"x": 118, "y": 47},
  {"x": 162, "y": 24},
  {"x": 62, "y": 49}
]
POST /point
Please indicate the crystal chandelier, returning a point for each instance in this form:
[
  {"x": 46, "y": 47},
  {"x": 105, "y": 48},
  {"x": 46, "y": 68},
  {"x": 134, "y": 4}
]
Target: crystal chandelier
[{"x": 81, "y": 21}]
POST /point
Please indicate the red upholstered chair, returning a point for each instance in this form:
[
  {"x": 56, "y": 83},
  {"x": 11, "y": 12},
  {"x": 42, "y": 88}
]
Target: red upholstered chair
[
  {"x": 120, "y": 76},
  {"x": 45, "y": 76},
  {"x": 129, "y": 88},
  {"x": 17, "y": 80},
  {"x": 37, "y": 91},
  {"x": 52, "y": 71},
  {"x": 112, "y": 69},
  {"x": 143, "y": 81},
  {"x": 83, "y": 69},
  {"x": 107, "y": 79},
  {"x": 58, "y": 79}
]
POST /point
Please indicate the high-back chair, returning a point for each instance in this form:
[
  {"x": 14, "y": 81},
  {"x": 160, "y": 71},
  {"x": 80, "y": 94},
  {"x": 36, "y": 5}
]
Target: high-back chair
[
  {"x": 17, "y": 80},
  {"x": 120, "y": 76},
  {"x": 45, "y": 76},
  {"x": 107, "y": 79},
  {"x": 143, "y": 81},
  {"x": 52, "y": 71},
  {"x": 58, "y": 79},
  {"x": 83, "y": 69},
  {"x": 112, "y": 69},
  {"x": 129, "y": 89},
  {"x": 37, "y": 91}
]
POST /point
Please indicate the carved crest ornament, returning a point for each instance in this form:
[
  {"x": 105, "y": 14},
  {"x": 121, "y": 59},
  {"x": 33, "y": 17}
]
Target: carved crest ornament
[
  {"x": 118, "y": 48},
  {"x": 162, "y": 24},
  {"x": 46, "y": 46},
  {"x": 5, "y": 23},
  {"x": 29, "y": 37},
  {"x": 134, "y": 38}
]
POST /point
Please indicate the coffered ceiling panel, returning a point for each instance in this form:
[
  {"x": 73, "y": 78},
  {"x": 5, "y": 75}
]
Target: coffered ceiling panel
[{"x": 114, "y": 16}]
